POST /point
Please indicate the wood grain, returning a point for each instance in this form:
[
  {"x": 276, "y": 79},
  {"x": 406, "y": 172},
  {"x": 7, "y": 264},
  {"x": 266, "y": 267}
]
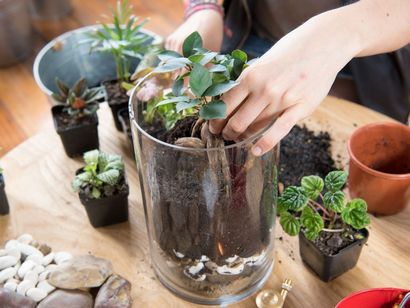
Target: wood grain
[
  {"x": 38, "y": 176},
  {"x": 23, "y": 107}
]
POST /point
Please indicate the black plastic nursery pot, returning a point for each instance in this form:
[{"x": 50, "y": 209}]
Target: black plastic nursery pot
[
  {"x": 4, "y": 204},
  {"x": 77, "y": 139},
  {"x": 124, "y": 117},
  {"x": 106, "y": 211},
  {"x": 330, "y": 267},
  {"x": 116, "y": 101}
]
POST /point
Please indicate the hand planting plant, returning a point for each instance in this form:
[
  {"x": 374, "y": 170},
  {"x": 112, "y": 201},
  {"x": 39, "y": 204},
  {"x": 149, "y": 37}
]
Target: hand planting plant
[
  {"x": 75, "y": 118},
  {"x": 102, "y": 188},
  {"x": 4, "y": 204},
  {"x": 319, "y": 210},
  {"x": 203, "y": 191},
  {"x": 125, "y": 41}
]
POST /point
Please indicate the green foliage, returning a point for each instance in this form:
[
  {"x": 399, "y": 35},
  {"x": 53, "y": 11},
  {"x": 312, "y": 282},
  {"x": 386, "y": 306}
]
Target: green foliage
[
  {"x": 100, "y": 169},
  {"x": 1, "y": 170},
  {"x": 208, "y": 74},
  {"x": 79, "y": 100},
  {"x": 123, "y": 39},
  {"x": 293, "y": 198},
  {"x": 299, "y": 209}
]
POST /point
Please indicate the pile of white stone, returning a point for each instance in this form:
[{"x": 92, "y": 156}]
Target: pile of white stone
[{"x": 25, "y": 266}]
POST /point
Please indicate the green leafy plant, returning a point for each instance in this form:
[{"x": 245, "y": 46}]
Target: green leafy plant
[
  {"x": 123, "y": 39},
  {"x": 207, "y": 74},
  {"x": 101, "y": 170},
  {"x": 1, "y": 170},
  {"x": 78, "y": 100},
  {"x": 304, "y": 208}
]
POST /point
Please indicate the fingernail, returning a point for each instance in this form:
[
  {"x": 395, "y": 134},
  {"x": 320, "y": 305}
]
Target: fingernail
[{"x": 257, "y": 151}]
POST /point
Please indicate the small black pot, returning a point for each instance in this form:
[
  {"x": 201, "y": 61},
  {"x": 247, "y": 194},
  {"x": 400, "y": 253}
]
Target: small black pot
[
  {"x": 4, "y": 204},
  {"x": 116, "y": 106},
  {"x": 124, "y": 117},
  {"x": 106, "y": 211},
  {"x": 330, "y": 267},
  {"x": 78, "y": 139}
]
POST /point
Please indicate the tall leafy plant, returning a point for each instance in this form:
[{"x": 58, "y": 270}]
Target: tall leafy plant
[
  {"x": 207, "y": 74},
  {"x": 305, "y": 208},
  {"x": 123, "y": 39}
]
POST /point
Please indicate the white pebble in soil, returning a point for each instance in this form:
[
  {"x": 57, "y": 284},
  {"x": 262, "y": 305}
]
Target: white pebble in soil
[
  {"x": 39, "y": 269},
  {"x": 38, "y": 259},
  {"x": 25, "y": 238},
  {"x": 14, "y": 252},
  {"x": 61, "y": 257},
  {"x": 45, "y": 286},
  {"x": 25, "y": 267},
  {"x": 51, "y": 267},
  {"x": 44, "y": 275},
  {"x": 36, "y": 294},
  {"x": 7, "y": 261},
  {"x": 32, "y": 276},
  {"x": 3, "y": 252},
  {"x": 29, "y": 250},
  {"x": 12, "y": 286},
  {"x": 12, "y": 244},
  {"x": 7, "y": 274},
  {"x": 48, "y": 258},
  {"x": 24, "y": 286}
]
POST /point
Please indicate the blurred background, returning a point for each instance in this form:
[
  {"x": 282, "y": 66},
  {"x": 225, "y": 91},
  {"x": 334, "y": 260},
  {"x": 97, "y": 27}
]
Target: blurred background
[{"x": 26, "y": 26}]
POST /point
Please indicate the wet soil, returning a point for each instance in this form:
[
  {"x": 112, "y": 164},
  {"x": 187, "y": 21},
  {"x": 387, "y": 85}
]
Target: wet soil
[
  {"x": 65, "y": 121},
  {"x": 115, "y": 93}
]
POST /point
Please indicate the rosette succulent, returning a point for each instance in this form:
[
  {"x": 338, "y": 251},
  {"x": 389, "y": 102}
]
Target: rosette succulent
[{"x": 318, "y": 204}]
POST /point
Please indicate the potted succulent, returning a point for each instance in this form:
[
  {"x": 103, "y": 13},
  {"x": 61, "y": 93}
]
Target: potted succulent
[
  {"x": 331, "y": 230},
  {"x": 75, "y": 118},
  {"x": 200, "y": 191},
  {"x": 4, "y": 204},
  {"x": 103, "y": 189},
  {"x": 125, "y": 41}
]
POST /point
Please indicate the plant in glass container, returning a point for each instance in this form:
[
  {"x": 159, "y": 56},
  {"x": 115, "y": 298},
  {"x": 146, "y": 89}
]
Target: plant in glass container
[
  {"x": 199, "y": 191},
  {"x": 4, "y": 204},
  {"x": 75, "y": 118},
  {"x": 331, "y": 230},
  {"x": 103, "y": 188},
  {"x": 125, "y": 41}
]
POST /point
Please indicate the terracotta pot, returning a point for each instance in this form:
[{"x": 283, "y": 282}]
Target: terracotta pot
[
  {"x": 374, "y": 298},
  {"x": 379, "y": 169}
]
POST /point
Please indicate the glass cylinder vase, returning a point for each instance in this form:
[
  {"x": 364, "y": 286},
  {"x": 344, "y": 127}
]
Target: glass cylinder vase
[{"x": 210, "y": 214}]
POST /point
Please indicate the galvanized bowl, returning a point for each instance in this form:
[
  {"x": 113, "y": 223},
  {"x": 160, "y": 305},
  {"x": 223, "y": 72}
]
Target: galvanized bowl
[{"x": 68, "y": 58}]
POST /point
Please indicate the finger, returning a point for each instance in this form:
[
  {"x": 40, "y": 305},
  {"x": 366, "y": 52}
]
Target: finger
[
  {"x": 279, "y": 129},
  {"x": 232, "y": 99},
  {"x": 243, "y": 117}
]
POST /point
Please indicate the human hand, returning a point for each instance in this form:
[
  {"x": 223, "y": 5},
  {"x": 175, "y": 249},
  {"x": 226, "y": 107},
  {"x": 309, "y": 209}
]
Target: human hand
[
  {"x": 286, "y": 84},
  {"x": 209, "y": 24}
]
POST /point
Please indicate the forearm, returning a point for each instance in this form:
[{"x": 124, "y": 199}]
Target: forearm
[{"x": 369, "y": 27}]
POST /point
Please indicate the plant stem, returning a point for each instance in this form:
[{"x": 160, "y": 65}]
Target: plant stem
[
  {"x": 320, "y": 207},
  {"x": 333, "y": 230}
]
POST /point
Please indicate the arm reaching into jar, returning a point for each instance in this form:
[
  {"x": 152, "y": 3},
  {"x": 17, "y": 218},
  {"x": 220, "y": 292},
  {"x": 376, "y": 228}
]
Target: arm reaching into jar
[{"x": 295, "y": 75}]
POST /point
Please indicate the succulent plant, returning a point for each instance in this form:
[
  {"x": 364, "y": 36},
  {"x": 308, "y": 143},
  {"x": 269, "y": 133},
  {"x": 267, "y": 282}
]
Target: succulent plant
[
  {"x": 299, "y": 210},
  {"x": 101, "y": 169},
  {"x": 78, "y": 100}
]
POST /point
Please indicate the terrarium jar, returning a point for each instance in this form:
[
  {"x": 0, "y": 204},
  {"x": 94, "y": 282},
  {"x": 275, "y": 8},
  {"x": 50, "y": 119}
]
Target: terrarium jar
[{"x": 210, "y": 214}]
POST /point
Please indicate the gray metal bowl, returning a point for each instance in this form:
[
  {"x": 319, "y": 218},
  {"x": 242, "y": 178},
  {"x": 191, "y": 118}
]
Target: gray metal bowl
[{"x": 68, "y": 58}]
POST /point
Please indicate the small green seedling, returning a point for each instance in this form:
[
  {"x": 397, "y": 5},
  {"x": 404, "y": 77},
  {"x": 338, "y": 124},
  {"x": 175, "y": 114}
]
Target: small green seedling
[
  {"x": 299, "y": 209},
  {"x": 78, "y": 101},
  {"x": 101, "y": 169}
]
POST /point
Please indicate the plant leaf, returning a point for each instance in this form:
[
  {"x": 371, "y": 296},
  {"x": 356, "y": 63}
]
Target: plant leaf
[
  {"x": 208, "y": 57},
  {"x": 168, "y": 54},
  {"x": 293, "y": 198},
  {"x": 91, "y": 157},
  {"x": 334, "y": 201},
  {"x": 335, "y": 180},
  {"x": 312, "y": 185},
  {"x": 220, "y": 88},
  {"x": 193, "y": 41},
  {"x": 109, "y": 177},
  {"x": 311, "y": 220},
  {"x": 172, "y": 65},
  {"x": 185, "y": 105},
  {"x": 96, "y": 193},
  {"x": 355, "y": 214},
  {"x": 240, "y": 55},
  {"x": 215, "y": 109},
  {"x": 200, "y": 80},
  {"x": 289, "y": 223},
  {"x": 218, "y": 68},
  {"x": 178, "y": 86},
  {"x": 173, "y": 100}
]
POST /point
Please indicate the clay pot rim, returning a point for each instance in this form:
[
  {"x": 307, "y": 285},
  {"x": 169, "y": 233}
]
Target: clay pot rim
[{"x": 367, "y": 169}]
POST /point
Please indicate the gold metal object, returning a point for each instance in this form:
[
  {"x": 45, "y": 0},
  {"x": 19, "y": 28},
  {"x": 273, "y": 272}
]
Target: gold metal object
[{"x": 272, "y": 299}]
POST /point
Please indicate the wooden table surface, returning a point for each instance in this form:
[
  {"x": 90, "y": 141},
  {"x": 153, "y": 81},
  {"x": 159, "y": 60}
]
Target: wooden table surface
[{"x": 38, "y": 176}]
